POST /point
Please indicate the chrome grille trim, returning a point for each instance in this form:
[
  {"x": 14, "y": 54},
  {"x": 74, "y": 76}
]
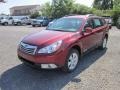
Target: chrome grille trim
[{"x": 27, "y": 48}]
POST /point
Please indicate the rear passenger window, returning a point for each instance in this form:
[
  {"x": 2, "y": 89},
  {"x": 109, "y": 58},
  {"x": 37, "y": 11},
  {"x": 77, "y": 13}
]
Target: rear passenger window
[
  {"x": 103, "y": 22},
  {"x": 97, "y": 23}
]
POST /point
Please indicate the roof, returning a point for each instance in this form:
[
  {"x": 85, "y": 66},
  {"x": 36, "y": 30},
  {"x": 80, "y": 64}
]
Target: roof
[
  {"x": 25, "y": 6},
  {"x": 82, "y": 16}
]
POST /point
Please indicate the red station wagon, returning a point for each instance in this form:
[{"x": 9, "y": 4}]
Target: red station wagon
[{"x": 63, "y": 42}]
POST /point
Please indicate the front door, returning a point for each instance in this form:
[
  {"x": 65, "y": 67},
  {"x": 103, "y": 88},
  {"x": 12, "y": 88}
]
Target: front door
[
  {"x": 88, "y": 40},
  {"x": 10, "y": 20}
]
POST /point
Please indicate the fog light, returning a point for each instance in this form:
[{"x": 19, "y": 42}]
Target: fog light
[{"x": 48, "y": 66}]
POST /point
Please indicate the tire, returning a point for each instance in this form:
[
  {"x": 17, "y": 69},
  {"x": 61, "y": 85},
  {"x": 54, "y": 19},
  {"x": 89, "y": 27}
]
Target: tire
[
  {"x": 118, "y": 26},
  {"x": 104, "y": 44},
  {"x": 33, "y": 25},
  {"x": 6, "y": 23},
  {"x": 19, "y": 23},
  {"x": 71, "y": 65},
  {"x": 41, "y": 24}
]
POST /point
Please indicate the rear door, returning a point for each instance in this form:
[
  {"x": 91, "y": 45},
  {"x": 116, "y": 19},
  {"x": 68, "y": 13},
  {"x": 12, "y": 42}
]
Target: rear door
[{"x": 99, "y": 28}]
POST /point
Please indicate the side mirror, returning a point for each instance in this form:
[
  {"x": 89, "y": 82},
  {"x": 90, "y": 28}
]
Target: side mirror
[{"x": 88, "y": 29}]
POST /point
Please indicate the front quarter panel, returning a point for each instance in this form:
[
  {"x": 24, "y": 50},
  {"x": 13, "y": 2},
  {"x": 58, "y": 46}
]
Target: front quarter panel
[{"x": 73, "y": 41}]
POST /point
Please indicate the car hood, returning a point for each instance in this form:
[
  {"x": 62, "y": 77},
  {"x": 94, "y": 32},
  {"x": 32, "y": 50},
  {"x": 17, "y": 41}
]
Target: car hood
[
  {"x": 15, "y": 20},
  {"x": 4, "y": 19},
  {"x": 46, "y": 37},
  {"x": 37, "y": 20}
]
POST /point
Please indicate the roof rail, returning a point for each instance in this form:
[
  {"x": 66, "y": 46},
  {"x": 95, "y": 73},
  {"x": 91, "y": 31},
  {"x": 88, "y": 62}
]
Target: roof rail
[
  {"x": 90, "y": 15},
  {"x": 70, "y": 15}
]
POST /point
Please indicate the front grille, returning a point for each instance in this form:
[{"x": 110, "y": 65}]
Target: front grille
[
  {"x": 34, "y": 21},
  {"x": 29, "y": 49}
]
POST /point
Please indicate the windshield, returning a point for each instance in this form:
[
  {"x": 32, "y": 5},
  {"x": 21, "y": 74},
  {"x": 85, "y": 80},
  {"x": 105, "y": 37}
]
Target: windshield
[
  {"x": 66, "y": 24},
  {"x": 40, "y": 18},
  {"x": 19, "y": 17}
]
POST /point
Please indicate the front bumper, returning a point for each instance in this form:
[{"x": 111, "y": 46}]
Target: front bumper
[
  {"x": 44, "y": 61},
  {"x": 36, "y": 23}
]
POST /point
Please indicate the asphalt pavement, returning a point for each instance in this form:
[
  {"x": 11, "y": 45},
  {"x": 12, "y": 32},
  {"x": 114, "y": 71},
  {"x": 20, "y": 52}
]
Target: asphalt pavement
[{"x": 98, "y": 70}]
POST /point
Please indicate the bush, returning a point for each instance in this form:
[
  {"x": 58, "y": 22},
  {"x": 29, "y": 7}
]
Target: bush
[
  {"x": 34, "y": 15},
  {"x": 81, "y": 9},
  {"x": 115, "y": 16}
]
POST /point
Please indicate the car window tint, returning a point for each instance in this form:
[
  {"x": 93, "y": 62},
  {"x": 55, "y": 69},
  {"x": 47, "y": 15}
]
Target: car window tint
[
  {"x": 89, "y": 23},
  {"x": 66, "y": 24},
  {"x": 10, "y": 18},
  {"x": 103, "y": 22},
  {"x": 97, "y": 23}
]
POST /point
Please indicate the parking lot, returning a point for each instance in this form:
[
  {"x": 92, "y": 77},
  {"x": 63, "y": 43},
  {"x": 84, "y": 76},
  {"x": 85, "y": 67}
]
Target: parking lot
[{"x": 99, "y": 70}]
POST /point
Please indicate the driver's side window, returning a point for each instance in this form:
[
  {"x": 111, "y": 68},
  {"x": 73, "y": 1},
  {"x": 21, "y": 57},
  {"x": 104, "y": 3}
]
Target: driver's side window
[
  {"x": 89, "y": 23},
  {"x": 10, "y": 18}
]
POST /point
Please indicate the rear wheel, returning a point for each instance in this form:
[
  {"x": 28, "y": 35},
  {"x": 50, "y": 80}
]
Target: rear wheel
[
  {"x": 118, "y": 26},
  {"x": 104, "y": 44},
  {"x": 71, "y": 61}
]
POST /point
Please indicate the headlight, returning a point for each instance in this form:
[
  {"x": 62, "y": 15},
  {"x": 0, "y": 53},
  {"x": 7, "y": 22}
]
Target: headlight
[{"x": 51, "y": 48}]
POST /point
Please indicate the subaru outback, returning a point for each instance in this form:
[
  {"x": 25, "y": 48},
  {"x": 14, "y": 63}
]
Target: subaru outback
[{"x": 63, "y": 42}]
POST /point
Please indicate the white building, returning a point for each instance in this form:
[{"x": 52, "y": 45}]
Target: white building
[{"x": 24, "y": 10}]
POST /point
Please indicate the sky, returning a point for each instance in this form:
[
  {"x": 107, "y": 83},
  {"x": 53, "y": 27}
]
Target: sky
[{"x": 4, "y": 7}]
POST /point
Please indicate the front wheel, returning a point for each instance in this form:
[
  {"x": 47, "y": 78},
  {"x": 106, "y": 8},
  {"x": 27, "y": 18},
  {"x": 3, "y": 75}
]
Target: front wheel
[
  {"x": 6, "y": 23},
  {"x": 41, "y": 25},
  {"x": 71, "y": 61},
  {"x": 19, "y": 23},
  {"x": 33, "y": 25}
]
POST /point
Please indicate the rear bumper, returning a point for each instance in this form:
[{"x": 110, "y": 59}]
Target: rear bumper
[{"x": 57, "y": 59}]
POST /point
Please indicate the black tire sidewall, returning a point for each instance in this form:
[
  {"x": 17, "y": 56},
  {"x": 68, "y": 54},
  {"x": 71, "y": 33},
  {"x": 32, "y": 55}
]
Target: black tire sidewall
[
  {"x": 66, "y": 68},
  {"x": 5, "y": 23},
  {"x": 18, "y": 23},
  {"x": 101, "y": 47}
]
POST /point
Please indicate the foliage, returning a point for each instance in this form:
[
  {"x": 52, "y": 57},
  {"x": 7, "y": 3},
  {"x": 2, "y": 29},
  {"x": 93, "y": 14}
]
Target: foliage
[
  {"x": 81, "y": 9},
  {"x": 115, "y": 14},
  {"x": 34, "y": 15},
  {"x": 47, "y": 10},
  {"x": 101, "y": 12},
  {"x": 103, "y": 4},
  {"x": 61, "y": 8},
  {"x": 116, "y": 5}
]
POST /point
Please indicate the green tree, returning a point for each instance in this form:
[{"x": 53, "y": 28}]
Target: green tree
[
  {"x": 34, "y": 15},
  {"x": 47, "y": 10},
  {"x": 61, "y": 7},
  {"x": 103, "y": 4},
  {"x": 117, "y": 5},
  {"x": 81, "y": 9}
]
